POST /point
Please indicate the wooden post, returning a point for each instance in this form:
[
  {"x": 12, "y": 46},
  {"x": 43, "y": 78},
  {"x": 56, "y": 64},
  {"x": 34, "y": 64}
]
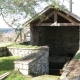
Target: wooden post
[
  {"x": 4, "y": 75},
  {"x": 55, "y": 17},
  {"x": 20, "y": 34}
]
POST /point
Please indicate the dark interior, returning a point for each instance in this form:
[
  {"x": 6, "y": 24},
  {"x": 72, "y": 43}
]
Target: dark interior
[{"x": 63, "y": 42}]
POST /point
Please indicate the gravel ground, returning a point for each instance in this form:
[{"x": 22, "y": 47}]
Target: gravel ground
[{"x": 46, "y": 77}]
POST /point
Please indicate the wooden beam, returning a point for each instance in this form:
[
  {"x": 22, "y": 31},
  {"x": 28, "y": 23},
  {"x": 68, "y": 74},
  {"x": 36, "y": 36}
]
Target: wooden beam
[
  {"x": 59, "y": 24},
  {"x": 4, "y": 75},
  {"x": 67, "y": 17},
  {"x": 51, "y": 13}
]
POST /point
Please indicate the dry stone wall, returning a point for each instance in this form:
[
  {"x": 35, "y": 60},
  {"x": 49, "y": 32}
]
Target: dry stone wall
[
  {"x": 34, "y": 64},
  {"x": 3, "y": 51},
  {"x": 27, "y": 33},
  {"x": 72, "y": 70},
  {"x": 34, "y": 61},
  {"x": 13, "y": 51}
]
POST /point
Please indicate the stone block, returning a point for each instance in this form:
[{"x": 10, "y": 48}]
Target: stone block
[{"x": 25, "y": 66}]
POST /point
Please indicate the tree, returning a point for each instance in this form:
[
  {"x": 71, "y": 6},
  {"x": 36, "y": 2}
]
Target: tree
[
  {"x": 13, "y": 11},
  {"x": 1, "y": 32}
]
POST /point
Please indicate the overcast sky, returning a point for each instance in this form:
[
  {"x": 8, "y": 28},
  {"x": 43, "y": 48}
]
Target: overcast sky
[
  {"x": 75, "y": 6},
  {"x": 75, "y": 9}
]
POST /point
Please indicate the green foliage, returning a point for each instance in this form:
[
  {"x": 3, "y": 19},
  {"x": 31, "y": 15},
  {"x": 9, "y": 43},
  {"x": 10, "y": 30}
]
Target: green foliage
[
  {"x": 13, "y": 11},
  {"x": 26, "y": 6},
  {"x": 77, "y": 56}
]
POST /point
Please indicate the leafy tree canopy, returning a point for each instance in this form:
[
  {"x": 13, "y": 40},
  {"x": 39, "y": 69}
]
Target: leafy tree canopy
[{"x": 13, "y": 11}]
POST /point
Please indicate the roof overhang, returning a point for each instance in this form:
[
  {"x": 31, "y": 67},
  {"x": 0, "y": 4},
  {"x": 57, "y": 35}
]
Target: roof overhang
[{"x": 35, "y": 18}]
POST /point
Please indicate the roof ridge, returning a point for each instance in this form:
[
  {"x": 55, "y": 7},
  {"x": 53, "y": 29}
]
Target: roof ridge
[{"x": 59, "y": 7}]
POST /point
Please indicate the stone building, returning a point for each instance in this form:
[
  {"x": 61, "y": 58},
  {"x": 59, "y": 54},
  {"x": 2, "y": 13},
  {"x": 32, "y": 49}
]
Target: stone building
[{"x": 58, "y": 29}]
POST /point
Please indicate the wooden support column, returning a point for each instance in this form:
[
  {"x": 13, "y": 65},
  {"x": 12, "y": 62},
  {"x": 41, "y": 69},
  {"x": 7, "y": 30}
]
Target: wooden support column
[
  {"x": 60, "y": 24},
  {"x": 55, "y": 17},
  {"x": 31, "y": 34}
]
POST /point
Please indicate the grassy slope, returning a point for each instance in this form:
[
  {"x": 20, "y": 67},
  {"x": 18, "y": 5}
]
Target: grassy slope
[{"x": 6, "y": 63}]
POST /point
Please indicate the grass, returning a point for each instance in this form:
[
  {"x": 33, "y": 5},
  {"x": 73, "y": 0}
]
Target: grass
[
  {"x": 15, "y": 75},
  {"x": 21, "y": 46},
  {"x": 6, "y": 65},
  {"x": 17, "y": 45}
]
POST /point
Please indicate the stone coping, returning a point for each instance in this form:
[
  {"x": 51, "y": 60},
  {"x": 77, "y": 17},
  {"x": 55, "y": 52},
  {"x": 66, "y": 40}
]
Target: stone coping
[
  {"x": 33, "y": 48},
  {"x": 29, "y": 58}
]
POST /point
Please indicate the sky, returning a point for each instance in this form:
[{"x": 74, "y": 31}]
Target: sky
[
  {"x": 75, "y": 9},
  {"x": 75, "y": 6}
]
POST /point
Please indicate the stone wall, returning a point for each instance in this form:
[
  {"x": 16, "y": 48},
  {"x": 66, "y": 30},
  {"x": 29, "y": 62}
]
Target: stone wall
[
  {"x": 13, "y": 51},
  {"x": 72, "y": 70},
  {"x": 27, "y": 33},
  {"x": 34, "y": 64},
  {"x": 3, "y": 51}
]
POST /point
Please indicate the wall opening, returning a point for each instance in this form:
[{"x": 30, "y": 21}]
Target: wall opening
[{"x": 63, "y": 42}]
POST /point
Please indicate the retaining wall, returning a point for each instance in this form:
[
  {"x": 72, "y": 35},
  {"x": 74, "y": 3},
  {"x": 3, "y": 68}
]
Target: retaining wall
[
  {"x": 36, "y": 61},
  {"x": 72, "y": 70},
  {"x": 23, "y": 51},
  {"x": 3, "y": 51}
]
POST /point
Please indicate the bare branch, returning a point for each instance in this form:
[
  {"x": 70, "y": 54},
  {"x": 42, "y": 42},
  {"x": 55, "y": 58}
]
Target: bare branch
[{"x": 5, "y": 20}]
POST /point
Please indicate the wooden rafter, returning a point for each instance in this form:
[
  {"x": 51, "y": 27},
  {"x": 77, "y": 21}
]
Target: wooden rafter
[
  {"x": 51, "y": 13},
  {"x": 59, "y": 24},
  {"x": 48, "y": 17},
  {"x": 67, "y": 17},
  {"x": 56, "y": 13}
]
